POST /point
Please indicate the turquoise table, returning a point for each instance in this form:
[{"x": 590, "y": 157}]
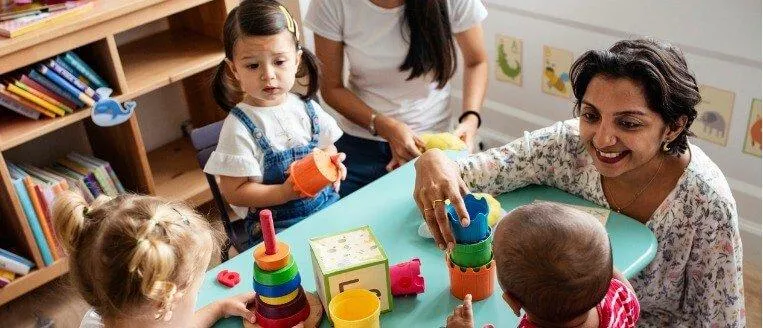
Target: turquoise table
[{"x": 388, "y": 208}]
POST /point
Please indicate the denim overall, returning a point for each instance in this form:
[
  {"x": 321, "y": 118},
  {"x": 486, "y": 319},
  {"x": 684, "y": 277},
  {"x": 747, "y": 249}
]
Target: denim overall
[{"x": 275, "y": 165}]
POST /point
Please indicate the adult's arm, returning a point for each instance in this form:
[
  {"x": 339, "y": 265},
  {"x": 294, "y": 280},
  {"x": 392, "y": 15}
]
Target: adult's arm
[
  {"x": 714, "y": 291},
  {"x": 472, "y": 45},
  {"x": 403, "y": 141}
]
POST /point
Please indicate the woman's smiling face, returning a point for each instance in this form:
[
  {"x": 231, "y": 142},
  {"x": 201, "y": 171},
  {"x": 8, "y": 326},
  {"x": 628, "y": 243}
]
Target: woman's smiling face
[{"x": 617, "y": 127}]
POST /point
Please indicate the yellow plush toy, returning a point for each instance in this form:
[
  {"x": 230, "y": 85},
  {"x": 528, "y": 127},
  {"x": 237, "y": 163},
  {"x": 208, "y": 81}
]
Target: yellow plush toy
[
  {"x": 496, "y": 212},
  {"x": 444, "y": 141}
]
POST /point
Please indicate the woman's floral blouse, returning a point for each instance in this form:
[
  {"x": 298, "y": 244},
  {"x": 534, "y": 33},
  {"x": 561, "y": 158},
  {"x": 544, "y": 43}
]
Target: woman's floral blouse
[{"x": 695, "y": 280}]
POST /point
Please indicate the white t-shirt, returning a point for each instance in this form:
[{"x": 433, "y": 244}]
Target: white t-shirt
[
  {"x": 285, "y": 126},
  {"x": 375, "y": 44}
]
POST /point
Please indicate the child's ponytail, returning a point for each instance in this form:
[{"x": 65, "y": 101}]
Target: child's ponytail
[
  {"x": 69, "y": 218},
  {"x": 225, "y": 88},
  {"x": 310, "y": 67}
]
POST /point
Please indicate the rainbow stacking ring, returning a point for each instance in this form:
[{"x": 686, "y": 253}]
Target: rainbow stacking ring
[
  {"x": 279, "y": 300},
  {"x": 272, "y": 262},
  {"x": 277, "y": 291},
  {"x": 291, "y": 321},
  {"x": 282, "y": 311},
  {"x": 278, "y": 277}
]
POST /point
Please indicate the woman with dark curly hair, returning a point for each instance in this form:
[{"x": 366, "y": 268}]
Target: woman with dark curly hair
[{"x": 626, "y": 150}]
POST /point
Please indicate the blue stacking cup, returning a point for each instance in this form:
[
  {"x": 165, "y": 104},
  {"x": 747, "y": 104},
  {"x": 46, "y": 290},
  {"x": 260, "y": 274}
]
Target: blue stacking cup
[{"x": 478, "y": 229}]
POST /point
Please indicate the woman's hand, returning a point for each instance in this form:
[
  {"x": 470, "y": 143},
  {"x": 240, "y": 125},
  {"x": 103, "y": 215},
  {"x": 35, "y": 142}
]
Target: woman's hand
[
  {"x": 338, "y": 160},
  {"x": 404, "y": 143},
  {"x": 466, "y": 130},
  {"x": 236, "y": 305},
  {"x": 437, "y": 179}
]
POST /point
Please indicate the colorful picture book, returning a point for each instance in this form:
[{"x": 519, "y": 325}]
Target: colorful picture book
[
  {"x": 53, "y": 88},
  {"x": 43, "y": 18},
  {"x": 37, "y": 189}
]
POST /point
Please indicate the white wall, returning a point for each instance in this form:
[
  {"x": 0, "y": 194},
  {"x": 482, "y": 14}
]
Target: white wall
[{"x": 721, "y": 40}]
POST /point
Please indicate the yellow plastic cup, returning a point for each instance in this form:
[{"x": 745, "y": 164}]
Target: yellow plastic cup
[{"x": 355, "y": 308}]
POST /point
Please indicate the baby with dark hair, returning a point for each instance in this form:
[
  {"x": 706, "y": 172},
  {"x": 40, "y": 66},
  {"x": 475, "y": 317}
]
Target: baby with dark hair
[{"x": 554, "y": 262}]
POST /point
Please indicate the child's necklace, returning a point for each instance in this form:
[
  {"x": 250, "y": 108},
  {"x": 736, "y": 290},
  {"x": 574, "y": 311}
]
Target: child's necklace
[{"x": 284, "y": 132}]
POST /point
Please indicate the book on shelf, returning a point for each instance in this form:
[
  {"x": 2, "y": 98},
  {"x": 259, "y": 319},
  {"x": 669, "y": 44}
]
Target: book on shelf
[
  {"x": 22, "y": 25},
  {"x": 74, "y": 179},
  {"x": 69, "y": 77},
  {"x": 17, "y": 179},
  {"x": 6, "y": 277},
  {"x": 44, "y": 81},
  {"x": 33, "y": 84},
  {"x": 100, "y": 173},
  {"x": 17, "y": 106},
  {"x": 71, "y": 58},
  {"x": 43, "y": 96},
  {"x": 107, "y": 166},
  {"x": 38, "y": 195},
  {"x": 22, "y": 102},
  {"x": 37, "y": 100},
  {"x": 60, "y": 61},
  {"x": 14, "y": 263},
  {"x": 65, "y": 85},
  {"x": 89, "y": 177}
]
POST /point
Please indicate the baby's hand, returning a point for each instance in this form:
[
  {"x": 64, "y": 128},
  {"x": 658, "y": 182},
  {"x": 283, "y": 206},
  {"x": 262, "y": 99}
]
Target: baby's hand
[
  {"x": 236, "y": 305},
  {"x": 462, "y": 316},
  {"x": 337, "y": 159}
]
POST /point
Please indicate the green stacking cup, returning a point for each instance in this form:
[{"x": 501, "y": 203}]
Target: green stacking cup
[{"x": 473, "y": 255}]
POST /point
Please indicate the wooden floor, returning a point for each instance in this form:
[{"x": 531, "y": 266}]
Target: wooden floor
[{"x": 57, "y": 301}]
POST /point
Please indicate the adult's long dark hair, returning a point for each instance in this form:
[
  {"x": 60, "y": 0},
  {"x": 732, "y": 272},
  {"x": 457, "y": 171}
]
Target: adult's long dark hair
[
  {"x": 431, "y": 49},
  {"x": 259, "y": 18}
]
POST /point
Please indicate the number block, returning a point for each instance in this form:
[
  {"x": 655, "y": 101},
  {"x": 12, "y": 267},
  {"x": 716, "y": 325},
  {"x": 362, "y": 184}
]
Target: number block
[{"x": 349, "y": 260}]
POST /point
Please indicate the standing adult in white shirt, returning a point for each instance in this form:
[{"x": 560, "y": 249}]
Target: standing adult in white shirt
[{"x": 401, "y": 56}]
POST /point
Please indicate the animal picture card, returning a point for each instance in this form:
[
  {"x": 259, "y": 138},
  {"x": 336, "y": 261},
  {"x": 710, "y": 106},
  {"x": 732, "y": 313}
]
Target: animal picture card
[
  {"x": 713, "y": 115},
  {"x": 509, "y": 59},
  {"x": 601, "y": 214},
  {"x": 753, "y": 134},
  {"x": 556, "y": 72}
]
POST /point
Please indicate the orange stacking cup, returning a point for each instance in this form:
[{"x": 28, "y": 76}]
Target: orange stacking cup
[
  {"x": 313, "y": 172},
  {"x": 476, "y": 281}
]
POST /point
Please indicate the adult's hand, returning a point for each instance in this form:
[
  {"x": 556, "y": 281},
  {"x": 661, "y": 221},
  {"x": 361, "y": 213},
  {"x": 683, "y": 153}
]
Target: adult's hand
[
  {"x": 438, "y": 179},
  {"x": 466, "y": 130},
  {"x": 402, "y": 140}
]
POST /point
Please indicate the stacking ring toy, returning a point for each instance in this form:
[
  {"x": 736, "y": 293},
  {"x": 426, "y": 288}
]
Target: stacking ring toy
[
  {"x": 275, "y": 278},
  {"x": 278, "y": 291},
  {"x": 283, "y": 311},
  {"x": 279, "y": 300},
  {"x": 275, "y": 261},
  {"x": 288, "y": 322}
]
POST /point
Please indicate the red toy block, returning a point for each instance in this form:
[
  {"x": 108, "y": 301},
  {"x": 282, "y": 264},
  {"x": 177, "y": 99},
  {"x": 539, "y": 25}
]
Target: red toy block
[
  {"x": 406, "y": 278},
  {"x": 228, "y": 278}
]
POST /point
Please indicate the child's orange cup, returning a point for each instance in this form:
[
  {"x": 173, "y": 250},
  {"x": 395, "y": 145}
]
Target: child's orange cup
[
  {"x": 313, "y": 172},
  {"x": 476, "y": 281},
  {"x": 355, "y": 308}
]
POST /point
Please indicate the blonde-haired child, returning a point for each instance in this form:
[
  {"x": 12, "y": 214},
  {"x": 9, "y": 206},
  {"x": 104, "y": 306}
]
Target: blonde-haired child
[
  {"x": 268, "y": 127},
  {"x": 139, "y": 261}
]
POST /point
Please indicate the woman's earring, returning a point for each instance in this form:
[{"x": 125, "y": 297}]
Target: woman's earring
[{"x": 665, "y": 146}]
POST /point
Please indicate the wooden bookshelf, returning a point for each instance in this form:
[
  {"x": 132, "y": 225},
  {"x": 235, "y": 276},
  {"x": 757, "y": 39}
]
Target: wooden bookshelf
[
  {"x": 175, "y": 55},
  {"x": 16, "y": 130},
  {"x": 186, "y": 53},
  {"x": 177, "y": 174}
]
